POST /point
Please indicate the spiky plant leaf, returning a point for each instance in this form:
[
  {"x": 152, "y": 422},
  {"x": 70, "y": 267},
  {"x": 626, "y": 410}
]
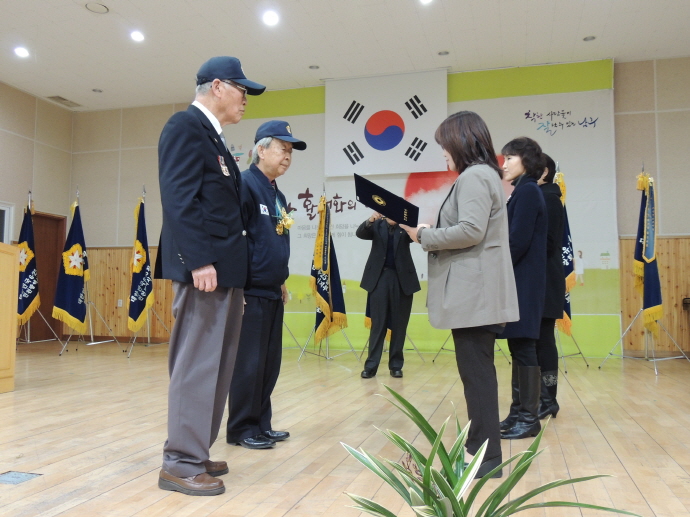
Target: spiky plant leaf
[
  {"x": 369, "y": 506},
  {"x": 447, "y": 491},
  {"x": 380, "y": 470},
  {"x": 426, "y": 478},
  {"x": 557, "y": 504}
]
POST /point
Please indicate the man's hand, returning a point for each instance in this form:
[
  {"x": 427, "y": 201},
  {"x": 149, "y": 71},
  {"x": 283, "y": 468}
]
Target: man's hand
[
  {"x": 374, "y": 216},
  {"x": 284, "y": 294},
  {"x": 412, "y": 232},
  {"x": 205, "y": 278}
]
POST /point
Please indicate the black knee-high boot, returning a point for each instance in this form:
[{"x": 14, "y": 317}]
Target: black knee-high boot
[
  {"x": 528, "y": 420},
  {"x": 549, "y": 388},
  {"x": 515, "y": 404}
]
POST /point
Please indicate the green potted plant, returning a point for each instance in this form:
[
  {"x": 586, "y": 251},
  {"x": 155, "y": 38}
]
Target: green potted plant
[{"x": 448, "y": 492}]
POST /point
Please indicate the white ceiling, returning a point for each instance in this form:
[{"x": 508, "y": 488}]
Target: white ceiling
[{"x": 74, "y": 51}]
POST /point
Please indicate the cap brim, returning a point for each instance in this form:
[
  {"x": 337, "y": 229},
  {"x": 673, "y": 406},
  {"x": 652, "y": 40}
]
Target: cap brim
[
  {"x": 252, "y": 87},
  {"x": 296, "y": 144}
]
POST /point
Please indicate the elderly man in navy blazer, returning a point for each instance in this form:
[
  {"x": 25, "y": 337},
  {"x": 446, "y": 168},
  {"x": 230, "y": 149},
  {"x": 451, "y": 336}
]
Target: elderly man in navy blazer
[{"x": 203, "y": 250}]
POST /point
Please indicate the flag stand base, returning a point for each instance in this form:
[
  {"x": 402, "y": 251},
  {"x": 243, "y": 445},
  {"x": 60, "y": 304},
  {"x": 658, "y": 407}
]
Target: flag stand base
[
  {"x": 27, "y": 331},
  {"x": 293, "y": 338},
  {"x": 385, "y": 348},
  {"x": 90, "y": 304},
  {"x": 443, "y": 347},
  {"x": 148, "y": 332},
  {"x": 563, "y": 356},
  {"x": 327, "y": 352},
  {"x": 647, "y": 338}
]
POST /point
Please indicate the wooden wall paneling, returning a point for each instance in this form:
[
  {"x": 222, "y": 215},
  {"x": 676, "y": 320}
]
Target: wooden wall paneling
[{"x": 673, "y": 257}]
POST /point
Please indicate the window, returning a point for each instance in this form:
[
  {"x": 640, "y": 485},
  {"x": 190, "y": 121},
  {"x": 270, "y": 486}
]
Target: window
[{"x": 6, "y": 213}]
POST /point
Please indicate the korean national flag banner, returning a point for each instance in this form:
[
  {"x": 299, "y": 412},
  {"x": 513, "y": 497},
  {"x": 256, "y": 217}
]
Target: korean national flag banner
[
  {"x": 70, "y": 305},
  {"x": 29, "y": 300},
  {"x": 141, "y": 291},
  {"x": 385, "y": 125}
]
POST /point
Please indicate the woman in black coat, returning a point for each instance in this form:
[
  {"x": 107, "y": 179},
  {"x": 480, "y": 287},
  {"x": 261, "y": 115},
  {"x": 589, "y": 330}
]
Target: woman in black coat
[
  {"x": 547, "y": 353},
  {"x": 527, "y": 221}
]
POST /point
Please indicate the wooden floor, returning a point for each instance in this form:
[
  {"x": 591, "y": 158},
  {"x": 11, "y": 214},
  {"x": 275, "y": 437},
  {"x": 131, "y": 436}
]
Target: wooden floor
[{"x": 93, "y": 422}]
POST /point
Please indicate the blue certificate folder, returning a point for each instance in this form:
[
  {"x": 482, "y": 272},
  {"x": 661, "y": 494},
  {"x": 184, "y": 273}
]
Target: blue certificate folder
[{"x": 385, "y": 203}]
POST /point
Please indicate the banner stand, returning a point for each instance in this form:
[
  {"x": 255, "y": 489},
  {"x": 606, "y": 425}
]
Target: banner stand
[
  {"x": 648, "y": 336},
  {"x": 27, "y": 331},
  {"x": 148, "y": 332},
  {"x": 443, "y": 347},
  {"x": 563, "y": 356},
  {"x": 327, "y": 353}
]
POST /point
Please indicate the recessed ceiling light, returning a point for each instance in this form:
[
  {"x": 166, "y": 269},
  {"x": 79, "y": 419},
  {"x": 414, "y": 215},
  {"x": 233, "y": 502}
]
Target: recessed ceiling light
[
  {"x": 313, "y": 67},
  {"x": 589, "y": 38},
  {"x": 424, "y": 2},
  {"x": 21, "y": 52},
  {"x": 97, "y": 8},
  {"x": 271, "y": 18},
  {"x": 97, "y": 90},
  {"x": 137, "y": 36},
  {"x": 443, "y": 53}
]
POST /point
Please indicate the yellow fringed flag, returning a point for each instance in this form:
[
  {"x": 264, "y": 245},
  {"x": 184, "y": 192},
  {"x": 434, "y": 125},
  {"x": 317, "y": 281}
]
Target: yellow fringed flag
[
  {"x": 325, "y": 280},
  {"x": 565, "y": 323},
  {"x": 141, "y": 290},
  {"x": 29, "y": 299},
  {"x": 652, "y": 307},
  {"x": 70, "y": 303}
]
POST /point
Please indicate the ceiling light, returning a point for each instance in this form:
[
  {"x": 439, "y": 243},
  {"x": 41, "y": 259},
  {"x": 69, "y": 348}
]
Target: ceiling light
[
  {"x": 313, "y": 67},
  {"x": 443, "y": 53},
  {"x": 589, "y": 38},
  {"x": 97, "y": 90},
  {"x": 21, "y": 52},
  {"x": 137, "y": 36},
  {"x": 271, "y": 18},
  {"x": 97, "y": 8},
  {"x": 424, "y": 2}
]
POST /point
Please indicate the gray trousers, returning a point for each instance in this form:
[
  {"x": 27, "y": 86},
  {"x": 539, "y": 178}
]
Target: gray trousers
[{"x": 202, "y": 352}]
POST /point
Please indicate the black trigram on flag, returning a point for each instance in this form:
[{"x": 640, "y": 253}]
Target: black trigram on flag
[
  {"x": 416, "y": 149},
  {"x": 353, "y": 112},
  {"x": 353, "y": 153},
  {"x": 416, "y": 107}
]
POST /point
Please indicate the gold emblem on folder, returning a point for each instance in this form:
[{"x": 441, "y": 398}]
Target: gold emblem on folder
[{"x": 378, "y": 200}]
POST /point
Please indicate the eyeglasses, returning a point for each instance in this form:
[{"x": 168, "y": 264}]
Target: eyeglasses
[{"x": 235, "y": 85}]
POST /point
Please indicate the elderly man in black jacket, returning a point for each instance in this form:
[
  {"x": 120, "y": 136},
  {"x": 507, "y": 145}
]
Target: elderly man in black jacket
[
  {"x": 261, "y": 340},
  {"x": 390, "y": 278}
]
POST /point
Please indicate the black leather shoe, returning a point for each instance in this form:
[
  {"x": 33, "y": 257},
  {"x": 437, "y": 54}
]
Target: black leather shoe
[
  {"x": 396, "y": 373},
  {"x": 256, "y": 442},
  {"x": 276, "y": 436},
  {"x": 368, "y": 374}
]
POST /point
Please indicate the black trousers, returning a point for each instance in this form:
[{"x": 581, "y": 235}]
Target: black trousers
[
  {"x": 523, "y": 350},
  {"x": 474, "y": 353},
  {"x": 389, "y": 308},
  {"x": 256, "y": 368},
  {"x": 547, "y": 353}
]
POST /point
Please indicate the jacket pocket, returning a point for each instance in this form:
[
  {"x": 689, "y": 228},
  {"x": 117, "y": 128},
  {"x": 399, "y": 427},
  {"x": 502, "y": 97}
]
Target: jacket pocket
[{"x": 216, "y": 228}]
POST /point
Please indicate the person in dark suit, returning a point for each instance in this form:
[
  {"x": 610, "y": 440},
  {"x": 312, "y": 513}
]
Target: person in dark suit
[
  {"x": 390, "y": 278},
  {"x": 203, "y": 250},
  {"x": 547, "y": 354},
  {"x": 527, "y": 221},
  {"x": 261, "y": 340}
]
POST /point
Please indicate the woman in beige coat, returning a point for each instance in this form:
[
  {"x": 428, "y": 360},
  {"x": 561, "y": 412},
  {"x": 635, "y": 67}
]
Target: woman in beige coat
[{"x": 471, "y": 282}]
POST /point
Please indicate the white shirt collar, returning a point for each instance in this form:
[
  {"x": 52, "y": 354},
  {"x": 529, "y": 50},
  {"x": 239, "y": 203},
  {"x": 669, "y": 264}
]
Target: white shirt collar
[{"x": 209, "y": 115}]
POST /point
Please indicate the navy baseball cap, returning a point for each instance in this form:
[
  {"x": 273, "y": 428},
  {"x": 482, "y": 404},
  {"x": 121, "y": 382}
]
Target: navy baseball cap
[
  {"x": 226, "y": 67},
  {"x": 281, "y": 130}
]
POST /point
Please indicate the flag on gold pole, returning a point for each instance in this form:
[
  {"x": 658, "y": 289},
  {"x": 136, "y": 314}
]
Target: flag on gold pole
[
  {"x": 29, "y": 299},
  {"x": 565, "y": 323},
  {"x": 141, "y": 290}
]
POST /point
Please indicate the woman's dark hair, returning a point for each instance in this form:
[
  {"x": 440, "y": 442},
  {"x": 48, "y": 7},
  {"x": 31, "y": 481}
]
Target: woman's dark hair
[
  {"x": 530, "y": 154},
  {"x": 466, "y": 138},
  {"x": 551, "y": 166}
]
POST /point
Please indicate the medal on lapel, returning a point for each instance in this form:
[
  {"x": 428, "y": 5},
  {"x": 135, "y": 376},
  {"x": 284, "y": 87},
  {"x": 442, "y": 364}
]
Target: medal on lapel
[{"x": 223, "y": 167}]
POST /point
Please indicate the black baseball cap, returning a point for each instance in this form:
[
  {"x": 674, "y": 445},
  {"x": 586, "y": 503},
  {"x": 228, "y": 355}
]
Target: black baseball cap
[
  {"x": 281, "y": 130},
  {"x": 227, "y": 68}
]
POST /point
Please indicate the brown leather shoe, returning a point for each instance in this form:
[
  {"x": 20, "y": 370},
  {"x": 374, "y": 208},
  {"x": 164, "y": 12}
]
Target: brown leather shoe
[
  {"x": 216, "y": 468},
  {"x": 201, "y": 484}
]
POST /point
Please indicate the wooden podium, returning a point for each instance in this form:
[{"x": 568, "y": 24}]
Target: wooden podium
[{"x": 9, "y": 278}]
